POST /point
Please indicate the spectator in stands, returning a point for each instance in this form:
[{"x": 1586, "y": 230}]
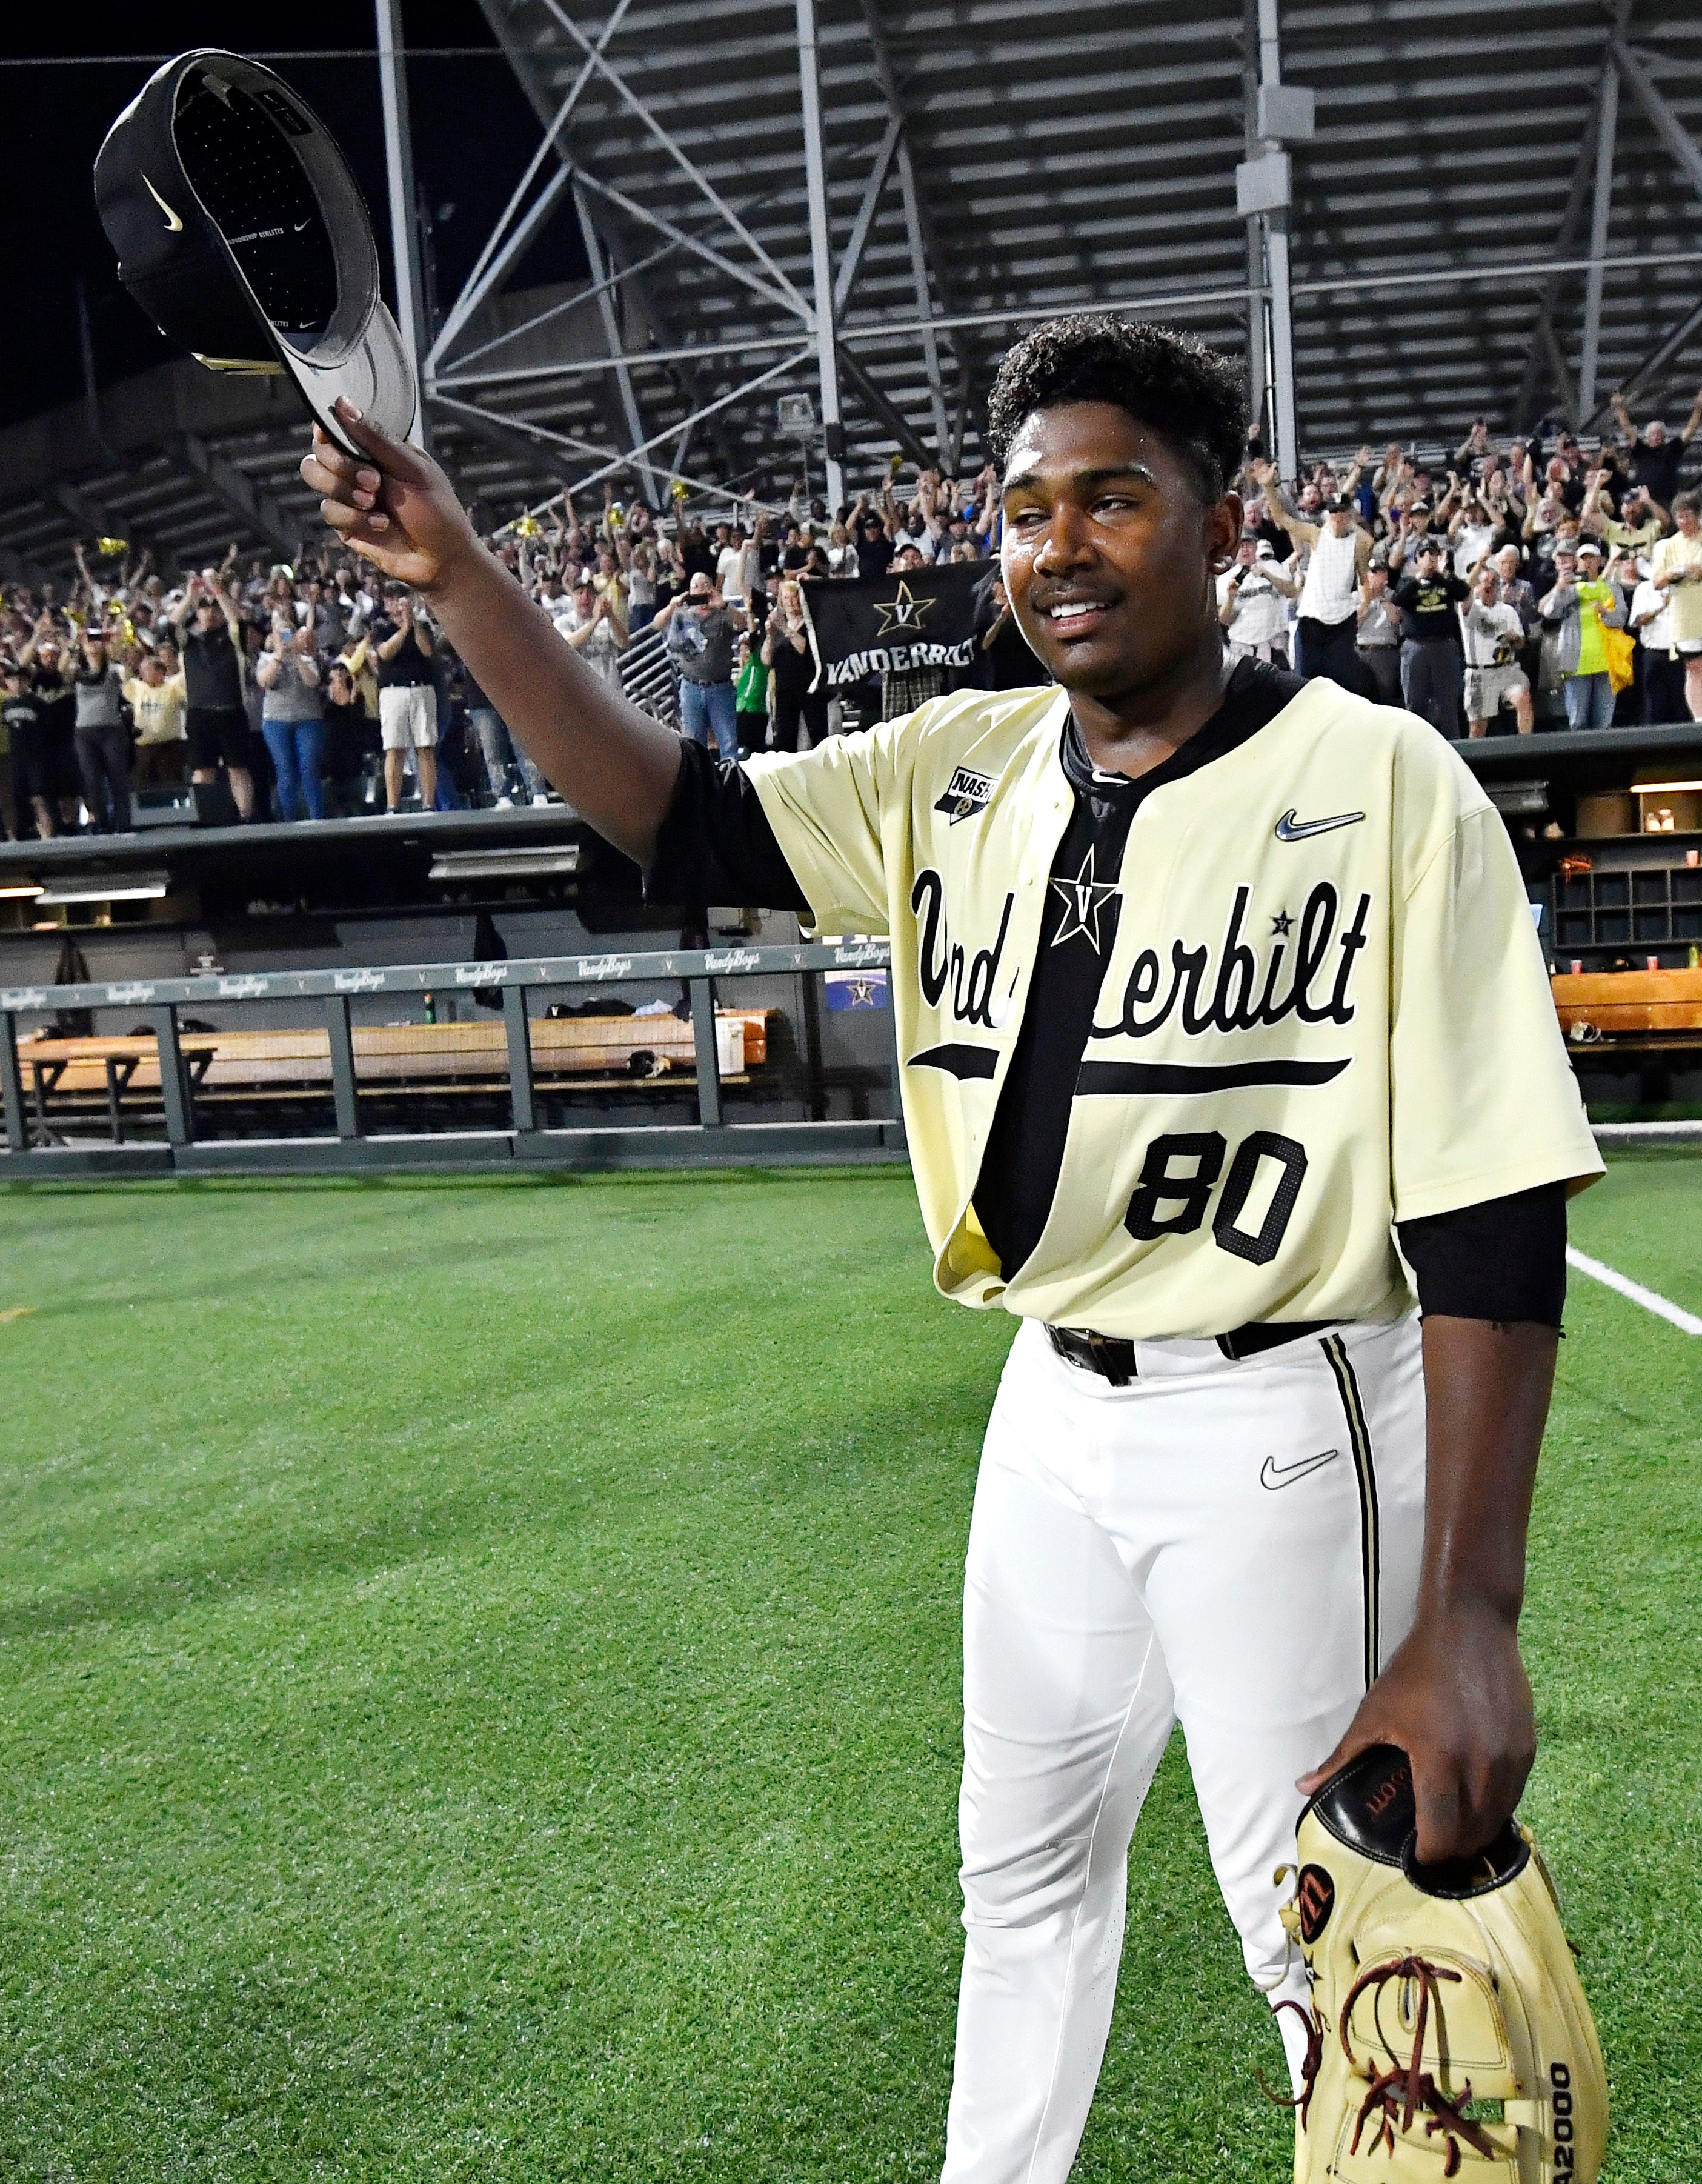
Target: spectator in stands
[
  {"x": 1002, "y": 659},
  {"x": 292, "y": 718},
  {"x": 318, "y": 613},
  {"x": 1676, "y": 569},
  {"x": 1582, "y": 603},
  {"x": 790, "y": 659},
  {"x": 875, "y": 547},
  {"x": 50, "y": 683},
  {"x": 349, "y": 741},
  {"x": 1472, "y": 530},
  {"x": 1635, "y": 529},
  {"x": 103, "y": 737},
  {"x": 842, "y": 554},
  {"x": 1662, "y": 675},
  {"x": 592, "y": 622},
  {"x": 641, "y": 585},
  {"x": 1657, "y": 455},
  {"x": 701, "y": 630},
  {"x": 216, "y": 721},
  {"x": 1253, "y": 599},
  {"x": 1326, "y": 620},
  {"x": 1426, "y": 605},
  {"x": 1378, "y": 634},
  {"x": 157, "y": 705},
  {"x": 31, "y": 793},
  {"x": 750, "y": 696},
  {"x": 1493, "y": 636},
  {"x": 401, "y": 646},
  {"x": 739, "y": 560}
]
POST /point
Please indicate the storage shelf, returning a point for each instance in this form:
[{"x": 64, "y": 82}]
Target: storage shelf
[{"x": 1640, "y": 906}]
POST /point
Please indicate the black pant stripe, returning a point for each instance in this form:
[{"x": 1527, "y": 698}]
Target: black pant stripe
[{"x": 1360, "y": 1440}]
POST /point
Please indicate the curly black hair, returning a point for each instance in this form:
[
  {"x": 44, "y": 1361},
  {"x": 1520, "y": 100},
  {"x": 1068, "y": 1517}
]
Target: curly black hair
[{"x": 1168, "y": 382}]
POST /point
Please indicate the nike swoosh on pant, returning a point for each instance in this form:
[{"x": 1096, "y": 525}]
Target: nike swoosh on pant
[{"x": 1274, "y": 1475}]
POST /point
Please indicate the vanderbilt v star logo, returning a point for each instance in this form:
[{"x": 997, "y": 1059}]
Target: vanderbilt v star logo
[
  {"x": 1290, "y": 829},
  {"x": 1084, "y": 899},
  {"x": 174, "y": 225},
  {"x": 906, "y": 612}
]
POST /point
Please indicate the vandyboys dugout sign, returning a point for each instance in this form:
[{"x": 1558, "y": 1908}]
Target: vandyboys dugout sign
[{"x": 879, "y": 626}]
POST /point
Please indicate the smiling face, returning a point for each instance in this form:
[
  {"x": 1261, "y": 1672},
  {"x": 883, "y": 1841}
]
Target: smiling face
[{"x": 1110, "y": 548}]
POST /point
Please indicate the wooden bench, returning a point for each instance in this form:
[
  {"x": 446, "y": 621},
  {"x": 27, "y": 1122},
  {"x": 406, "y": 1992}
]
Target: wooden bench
[
  {"x": 613, "y": 1053},
  {"x": 1632, "y": 1011}
]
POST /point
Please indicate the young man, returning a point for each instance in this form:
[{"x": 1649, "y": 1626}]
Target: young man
[{"x": 1206, "y": 983}]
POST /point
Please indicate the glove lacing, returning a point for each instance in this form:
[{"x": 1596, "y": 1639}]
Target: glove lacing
[
  {"x": 1402, "y": 2094},
  {"x": 1311, "y": 2061}
]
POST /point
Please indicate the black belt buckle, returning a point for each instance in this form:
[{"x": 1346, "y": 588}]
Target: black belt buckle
[{"x": 1111, "y": 1356}]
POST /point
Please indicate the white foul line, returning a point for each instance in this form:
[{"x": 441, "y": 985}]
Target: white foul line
[{"x": 1635, "y": 1290}]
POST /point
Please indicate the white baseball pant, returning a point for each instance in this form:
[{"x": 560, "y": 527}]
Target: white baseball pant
[{"x": 1235, "y": 1547}]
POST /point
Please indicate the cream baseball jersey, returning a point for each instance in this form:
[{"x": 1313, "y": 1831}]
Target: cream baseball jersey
[{"x": 1323, "y": 1006}]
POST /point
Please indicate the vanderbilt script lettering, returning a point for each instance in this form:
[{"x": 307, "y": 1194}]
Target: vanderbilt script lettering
[
  {"x": 941, "y": 960},
  {"x": 1246, "y": 994}
]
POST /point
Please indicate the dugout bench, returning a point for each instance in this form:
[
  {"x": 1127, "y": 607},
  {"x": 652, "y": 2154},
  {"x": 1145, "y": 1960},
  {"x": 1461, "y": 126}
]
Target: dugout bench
[{"x": 168, "y": 1070}]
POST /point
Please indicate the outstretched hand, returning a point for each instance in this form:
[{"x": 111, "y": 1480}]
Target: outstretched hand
[
  {"x": 396, "y": 510},
  {"x": 1455, "y": 1699}
]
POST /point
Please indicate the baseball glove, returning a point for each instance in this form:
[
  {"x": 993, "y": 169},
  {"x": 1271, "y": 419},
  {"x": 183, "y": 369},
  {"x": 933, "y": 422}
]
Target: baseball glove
[{"x": 1449, "y": 2035}]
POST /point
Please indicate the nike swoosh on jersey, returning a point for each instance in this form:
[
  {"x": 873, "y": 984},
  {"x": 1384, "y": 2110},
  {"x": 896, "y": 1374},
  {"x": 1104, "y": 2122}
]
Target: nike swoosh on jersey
[
  {"x": 1275, "y": 1475},
  {"x": 1290, "y": 829}
]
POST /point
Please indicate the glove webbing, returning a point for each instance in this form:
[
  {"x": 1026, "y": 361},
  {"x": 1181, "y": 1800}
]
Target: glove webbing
[{"x": 1412, "y": 2092}]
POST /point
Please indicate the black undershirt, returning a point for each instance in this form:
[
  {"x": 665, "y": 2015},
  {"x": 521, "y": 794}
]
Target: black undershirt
[
  {"x": 1503, "y": 1259},
  {"x": 1025, "y": 1147}
]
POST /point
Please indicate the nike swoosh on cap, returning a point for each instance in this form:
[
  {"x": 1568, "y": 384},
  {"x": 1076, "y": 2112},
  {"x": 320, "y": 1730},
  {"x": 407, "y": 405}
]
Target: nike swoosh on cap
[
  {"x": 174, "y": 225},
  {"x": 1290, "y": 829},
  {"x": 1274, "y": 1475}
]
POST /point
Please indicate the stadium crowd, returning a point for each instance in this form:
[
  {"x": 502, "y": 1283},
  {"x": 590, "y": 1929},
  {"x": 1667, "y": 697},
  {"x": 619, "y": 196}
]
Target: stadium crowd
[{"x": 1520, "y": 574}]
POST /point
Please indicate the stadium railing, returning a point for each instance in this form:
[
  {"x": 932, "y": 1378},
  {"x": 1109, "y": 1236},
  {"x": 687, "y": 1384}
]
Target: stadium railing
[{"x": 712, "y": 1140}]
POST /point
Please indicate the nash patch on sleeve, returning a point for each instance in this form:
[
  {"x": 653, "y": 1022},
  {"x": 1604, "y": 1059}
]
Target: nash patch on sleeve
[{"x": 966, "y": 792}]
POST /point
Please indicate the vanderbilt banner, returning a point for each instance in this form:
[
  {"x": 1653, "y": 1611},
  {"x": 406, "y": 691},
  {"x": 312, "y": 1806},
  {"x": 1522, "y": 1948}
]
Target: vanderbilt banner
[{"x": 879, "y": 626}]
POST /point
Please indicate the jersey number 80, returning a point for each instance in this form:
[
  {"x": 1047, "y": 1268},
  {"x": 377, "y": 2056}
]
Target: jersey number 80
[{"x": 1166, "y": 1180}]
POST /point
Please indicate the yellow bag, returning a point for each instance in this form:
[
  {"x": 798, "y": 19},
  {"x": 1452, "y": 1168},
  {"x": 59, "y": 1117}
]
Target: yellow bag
[{"x": 1621, "y": 647}]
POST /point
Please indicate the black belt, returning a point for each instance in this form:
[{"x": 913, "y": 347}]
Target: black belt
[{"x": 1113, "y": 1358}]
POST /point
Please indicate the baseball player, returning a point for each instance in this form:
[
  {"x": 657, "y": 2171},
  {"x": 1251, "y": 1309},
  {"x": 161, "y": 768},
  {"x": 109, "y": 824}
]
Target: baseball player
[{"x": 1209, "y": 986}]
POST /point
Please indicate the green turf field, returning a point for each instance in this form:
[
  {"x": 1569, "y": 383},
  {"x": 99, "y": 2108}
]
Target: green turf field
[{"x": 479, "y": 1696}]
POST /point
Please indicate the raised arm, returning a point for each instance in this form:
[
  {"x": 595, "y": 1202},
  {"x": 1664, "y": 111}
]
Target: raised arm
[
  {"x": 614, "y": 763},
  {"x": 1297, "y": 525}
]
